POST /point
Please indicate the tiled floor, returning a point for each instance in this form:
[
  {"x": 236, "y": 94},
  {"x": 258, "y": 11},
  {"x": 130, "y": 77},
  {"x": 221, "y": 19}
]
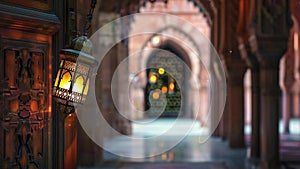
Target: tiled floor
[
  {"x": 188, "y": 153},
  {"x": 209, "y": 154}
]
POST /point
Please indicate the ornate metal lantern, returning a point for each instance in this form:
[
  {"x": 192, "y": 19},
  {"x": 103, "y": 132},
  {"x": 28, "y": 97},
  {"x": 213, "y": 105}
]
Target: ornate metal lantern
[{"x": 72, "y": 80}]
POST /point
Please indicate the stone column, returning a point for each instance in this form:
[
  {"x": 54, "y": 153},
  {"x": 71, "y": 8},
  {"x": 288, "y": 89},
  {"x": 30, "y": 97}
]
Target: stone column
[{"x": 236, "y": 70}]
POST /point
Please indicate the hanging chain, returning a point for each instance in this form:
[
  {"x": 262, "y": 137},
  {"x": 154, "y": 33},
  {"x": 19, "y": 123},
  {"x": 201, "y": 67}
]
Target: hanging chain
[{"x": 89, "y": 18}]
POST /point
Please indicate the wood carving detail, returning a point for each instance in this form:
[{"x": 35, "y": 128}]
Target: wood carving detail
[{"x": 23, "y": 106}]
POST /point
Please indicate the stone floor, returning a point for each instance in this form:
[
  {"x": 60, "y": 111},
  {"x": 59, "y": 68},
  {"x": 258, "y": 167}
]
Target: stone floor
[{"x": 189, "y": 152}]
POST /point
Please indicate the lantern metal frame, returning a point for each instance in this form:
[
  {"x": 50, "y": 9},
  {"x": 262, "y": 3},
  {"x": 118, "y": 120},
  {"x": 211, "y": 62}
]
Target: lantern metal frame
[
  {"x": 77, "y": 61},
  {"x": 72, "y": 80}
]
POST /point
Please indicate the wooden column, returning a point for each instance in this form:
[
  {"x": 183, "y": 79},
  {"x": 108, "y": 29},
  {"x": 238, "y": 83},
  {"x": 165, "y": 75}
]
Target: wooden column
[
  {"x": 268, "y": 40},
  {"x": 270, "y": 115},
  {"x": 236, "y": 104},
  {"x": 255, "y": 106},
  {"x": 255, "y": 115},
  {"x": 253, "y": 64},
  {"x": 229, "y": 13},
  {"x": 269, "y": 51}
]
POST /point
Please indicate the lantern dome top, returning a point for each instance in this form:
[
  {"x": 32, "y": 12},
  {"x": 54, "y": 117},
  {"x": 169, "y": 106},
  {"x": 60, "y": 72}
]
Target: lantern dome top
[
  {"x": 80, "y": 48},
  {"x": 83, "y": 44}
]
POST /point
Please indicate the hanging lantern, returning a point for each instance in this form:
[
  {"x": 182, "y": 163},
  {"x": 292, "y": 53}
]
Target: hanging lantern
[{"x": 72, "y": 80}]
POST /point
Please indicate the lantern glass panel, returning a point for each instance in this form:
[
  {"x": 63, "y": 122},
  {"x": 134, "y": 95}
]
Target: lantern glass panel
[
  {"x": 61, "y": 63},
  {"x": 86, "y": 89},
  {"x": 66, "y": 80},
  {"x": 78, "y": 85},
  {"x": 57, "y": 78}
]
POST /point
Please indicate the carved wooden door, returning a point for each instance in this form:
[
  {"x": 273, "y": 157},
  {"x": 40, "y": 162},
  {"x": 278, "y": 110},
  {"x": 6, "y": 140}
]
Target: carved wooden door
[
  {"x": 24, "y": 104},
  {"x": 25, "y": 87}
]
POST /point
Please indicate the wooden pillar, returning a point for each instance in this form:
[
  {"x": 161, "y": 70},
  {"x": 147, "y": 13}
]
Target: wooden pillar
[
  {"x": 236, "y": 104},
  {"x": 269, "y": 59},
  {"x": 255, "y": 115},
  {"x": 269, "y": 116},
  {"x": 214, "y": 120},
  {"x": 235, "y": 73},
  {"x": 268, "y": 40},
  {"x": 253, "y": 64}
]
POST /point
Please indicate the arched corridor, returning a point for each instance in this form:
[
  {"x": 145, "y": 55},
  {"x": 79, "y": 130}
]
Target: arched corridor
[{"x": 127, "y": 84}]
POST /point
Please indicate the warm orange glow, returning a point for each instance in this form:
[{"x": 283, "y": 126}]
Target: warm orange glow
[
  {"x": 70, "y": 144},
  {"x": 14, "y": 105},
  {"x": 164, "y": 156},
  {"x": 161, "y": 71},
  {"x": 153, "y": 78},
  {"x": 164, "y": 89},
  {"x": 65, "y": 82},
  {"x": 156, "y": 95},
  {"x": 57, "y": 79},
  {"x": 61, "y": 63},
  {"x": 296, "y": 40},
  {"x": 78, "y": 85},
  {"x": 172, "y": 86},
  {"x": 171, "y": 156},
  {"x": 34, "y": 106},
  {"x": 86, "y": 89}
]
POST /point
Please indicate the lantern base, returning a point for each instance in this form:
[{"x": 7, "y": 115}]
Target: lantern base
[{"x": 66, "y": 109}]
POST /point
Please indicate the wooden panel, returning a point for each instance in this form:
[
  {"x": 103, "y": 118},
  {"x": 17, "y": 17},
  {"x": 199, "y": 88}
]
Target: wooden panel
[
  {"x": 36, "y": 4},
  {"x": 24, "y": 104},
  {"x": 9, "y": 56},
  {"x": 38, "y": 67},
  {"x": 26, "y": 30},
  {"x": 13, "y": 17}
]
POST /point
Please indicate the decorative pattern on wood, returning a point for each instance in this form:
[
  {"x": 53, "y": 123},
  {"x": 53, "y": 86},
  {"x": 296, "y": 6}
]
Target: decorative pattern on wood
[{"x": 23, "y": 104}]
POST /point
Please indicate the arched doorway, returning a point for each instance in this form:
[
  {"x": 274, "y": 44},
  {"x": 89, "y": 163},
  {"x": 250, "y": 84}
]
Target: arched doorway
[{"x": 168, "y": 75}]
